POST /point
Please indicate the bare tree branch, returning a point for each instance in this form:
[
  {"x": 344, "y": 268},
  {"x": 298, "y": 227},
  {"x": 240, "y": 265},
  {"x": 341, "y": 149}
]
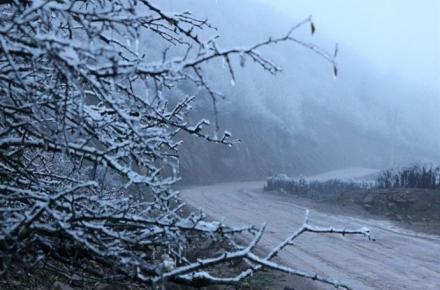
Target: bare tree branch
[{"x": 86, "y": 114}]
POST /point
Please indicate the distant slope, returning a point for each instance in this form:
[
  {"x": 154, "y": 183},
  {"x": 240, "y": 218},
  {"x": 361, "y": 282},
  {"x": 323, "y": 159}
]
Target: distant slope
[{"x": 302, "y": 121}]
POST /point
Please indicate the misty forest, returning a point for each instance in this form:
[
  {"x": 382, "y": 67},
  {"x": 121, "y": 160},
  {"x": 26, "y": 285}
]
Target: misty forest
[{"x": 219, "y": 144}]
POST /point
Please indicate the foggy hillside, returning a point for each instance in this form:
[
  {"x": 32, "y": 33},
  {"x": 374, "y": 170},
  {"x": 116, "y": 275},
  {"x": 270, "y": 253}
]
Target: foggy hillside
[
  {"x": 219, "y": 144},
  {"x": 303, "y": 121}
]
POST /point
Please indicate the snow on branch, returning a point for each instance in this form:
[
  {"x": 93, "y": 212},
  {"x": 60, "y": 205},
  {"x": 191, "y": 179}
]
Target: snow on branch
[
  {"x": 202, "y": 277},
  {"x": 90, "y": 119}
]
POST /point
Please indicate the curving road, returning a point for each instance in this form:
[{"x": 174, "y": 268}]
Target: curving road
[{"x": 398, "y": 259}]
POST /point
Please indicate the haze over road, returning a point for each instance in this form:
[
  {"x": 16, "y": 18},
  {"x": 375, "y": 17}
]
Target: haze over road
[{"x": 398, "y": 259}]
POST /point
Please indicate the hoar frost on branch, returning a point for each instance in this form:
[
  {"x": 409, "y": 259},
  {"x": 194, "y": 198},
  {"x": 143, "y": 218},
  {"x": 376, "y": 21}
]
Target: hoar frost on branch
[{"x": 85, "y": 117}]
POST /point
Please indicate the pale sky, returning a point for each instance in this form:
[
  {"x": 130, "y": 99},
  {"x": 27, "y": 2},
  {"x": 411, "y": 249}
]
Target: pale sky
[{"x": 400, "y": 37}]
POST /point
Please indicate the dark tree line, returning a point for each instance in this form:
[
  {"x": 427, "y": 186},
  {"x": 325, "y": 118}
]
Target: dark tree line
[
  {"x": 303, "y": 186},
  {"x": 417, "y": 176}
]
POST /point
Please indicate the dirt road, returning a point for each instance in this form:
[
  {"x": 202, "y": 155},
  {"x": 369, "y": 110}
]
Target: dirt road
[{"x": 398, "y": 259}]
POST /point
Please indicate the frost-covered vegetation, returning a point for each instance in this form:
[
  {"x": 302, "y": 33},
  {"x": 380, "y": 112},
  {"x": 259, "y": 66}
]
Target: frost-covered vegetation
[
  {"x": 417, "y": 176},
  {"x": 306, "y": 186},
  {"x": 93, "y": 106}
]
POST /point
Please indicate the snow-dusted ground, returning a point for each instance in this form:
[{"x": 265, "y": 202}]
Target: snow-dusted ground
[{"x": 398, "y": 259}]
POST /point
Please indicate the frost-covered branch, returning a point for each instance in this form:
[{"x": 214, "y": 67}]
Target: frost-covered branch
[
  {"x": 92, "y": 105},
  {"x": 258, "y": 263}
]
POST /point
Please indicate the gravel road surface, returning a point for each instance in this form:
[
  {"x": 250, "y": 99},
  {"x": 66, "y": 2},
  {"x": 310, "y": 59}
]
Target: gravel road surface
[{"x": 398, "y": 259}]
